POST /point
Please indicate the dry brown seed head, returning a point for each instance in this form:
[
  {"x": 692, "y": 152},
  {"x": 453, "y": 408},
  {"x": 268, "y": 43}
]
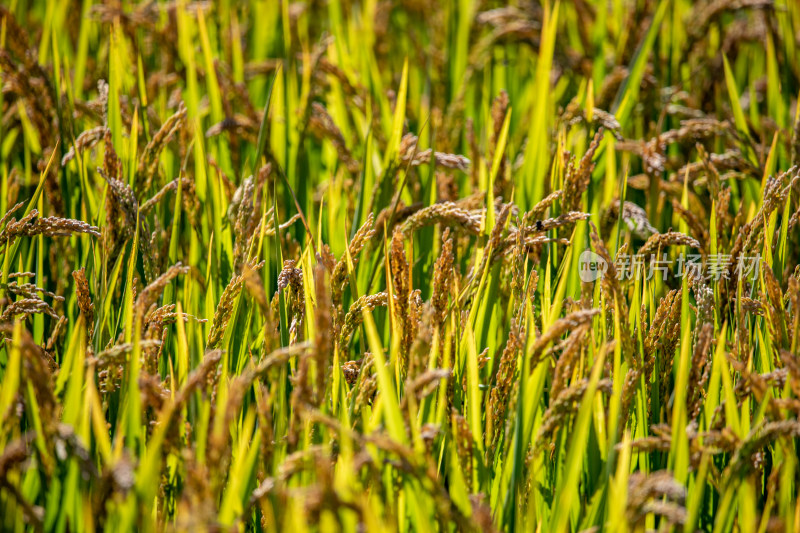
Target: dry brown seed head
[
  {"x": 223, "y": 312},
  {"x": 700, "y": 370},
  {"x": 541, "y": 207},
  {"x": 150, "y": 294},
  {"x": 84, "y": 300},
  {"x": 355, "y": 315},
  {"x": 186, "y": 185},
  {"x": 563, "y": 406},
  {"x": 149, "y": 158},
  {"x": 499, "y": 396},
  {"x": 408, "y": 153},
  {"x": 542, "y": 226},
  {"x": 85, "y": 141},
  {"x": 559, "y": 327},
  {"x": 112, "y": 164},
  {"x": 442, "y": 278},
  {"x": 351, "y": 369},
  {"x": 27, "y": 306},
  {"x": 7, "y": 216},
  {"x": 464, "y": 443},
  {"x": 323, "y": 325},
  {"x": 339, "y": 277},
  {"x": 662, "y": 240},
  {"x": 447, "y": 213},
  {"x": 577, "y": 179},
  {"x": 29, "y": 225}
]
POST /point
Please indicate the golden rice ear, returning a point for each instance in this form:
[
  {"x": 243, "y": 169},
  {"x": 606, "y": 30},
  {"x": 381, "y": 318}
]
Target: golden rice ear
[
  {"x": 291, "y": 277},
  {"x": 660, "y": 241},
  {"x": 25, "y": 307},
  {"x": 577, "y": 180},
  {"x": 185, "y": 183},
  {"x": 660, "y": 486},
  {"x": 504, "y": 382},
  {"x": 223, "y": 313},
  {"x": 152, "y": 292},
  {"x": 700, "y": 370},
  {"x": 401, "y": 283},
  {"x": 367, "y": 384},
  {"x": 16, "y": 39},
  {"x": 464, "y": 444},
  {"x": 558, "y": 328},
  {"x": 562, "y": 407},
  {"x": 442, "y": 278},
  {"x": 445, "y": 213},
  {"x": 85, "y": 141},
  {"x": 148, "y": 161},
  {"x": 540, "y": 209},
  {"x": 112, "y": 164},
  {"x": 355, "y": 315},
  {"x": 84, "y": 301},
  {"x": 339, "y": 277},
  {"x": 323, "y": 338},
  {"x": 569, "y": 357}
]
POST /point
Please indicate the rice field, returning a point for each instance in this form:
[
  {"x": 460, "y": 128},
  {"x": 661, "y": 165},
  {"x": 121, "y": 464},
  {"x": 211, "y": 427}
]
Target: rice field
[{"x": 394, "y": 265}]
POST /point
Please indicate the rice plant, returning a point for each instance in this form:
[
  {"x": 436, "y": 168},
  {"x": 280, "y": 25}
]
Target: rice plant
[{"x": 397, "y": 265}]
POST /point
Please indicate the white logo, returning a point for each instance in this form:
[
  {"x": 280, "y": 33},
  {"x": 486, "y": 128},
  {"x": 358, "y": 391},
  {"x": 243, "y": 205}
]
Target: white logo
[{"x": 592, "y": 266}]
